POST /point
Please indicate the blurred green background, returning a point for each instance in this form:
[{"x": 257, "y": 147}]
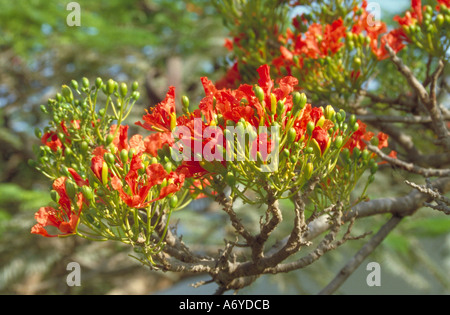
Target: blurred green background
[{"x": 157, "y": 43}]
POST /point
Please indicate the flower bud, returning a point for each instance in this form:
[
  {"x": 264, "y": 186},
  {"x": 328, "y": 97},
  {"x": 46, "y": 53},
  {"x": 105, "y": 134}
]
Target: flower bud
[
  {"x": 105, "y": 173},
  {"x": 87, "y": 192},
  {"x": 168, "y": 167},
  {"x": 67, "y": 94},
  {"x": 110, "y": 86},
  {"x": 74, "y": 84},
  {"x": 135, "y": 95},
  {"x": 280, "y": 108},
  {"x": 124, "y": 156},
  {"x": 98, "y": 83},
  {"x": 338, "y": 141},
  {"x": 123, "y": 89},
  {"x": 85, "y": 82},
  {"x": 329, "y": 112},
  {"x": 291, "y": 135},
  {"x": 134, "y": 86},
  {"x": 310, "y": 127},
  {"x": 259, "y": 93},
  {"x": 173, "y": 202},
  {"x": 109, "y": 158},
  {"x": 374, "y": 168},
  {"x": 109, "y": 139},
  {"x": 230, "y": 179},
  {"x": 71, "y": 188},
  {"x": 54, "y": 195},
  {"x": 309, "y": 170},
  {"x": 273, "y": 103},
  {"x": 299, "y": 102}
]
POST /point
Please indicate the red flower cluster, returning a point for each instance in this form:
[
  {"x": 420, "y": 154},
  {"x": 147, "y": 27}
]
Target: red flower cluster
[
  {"x": 65, "y": 218},
  {"x": 317, "y": 42}
]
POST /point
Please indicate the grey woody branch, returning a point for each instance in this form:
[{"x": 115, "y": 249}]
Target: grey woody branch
[
  {"x": 428, "y": 99},
  {"x": 411, "y": 167}
]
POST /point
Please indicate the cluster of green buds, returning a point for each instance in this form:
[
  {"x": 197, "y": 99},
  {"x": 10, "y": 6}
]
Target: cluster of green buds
[{"x": 77, "y": 124}]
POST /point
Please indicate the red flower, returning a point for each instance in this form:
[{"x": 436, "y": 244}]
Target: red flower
[
  {"x": 51, "y": 140},
  {"x": 161, "y": 117},
  {"x": 382, "y": 140},
  {"x": 65, "y": 218},
  {"x": 97, "y": 166},
  {"x": 358, "y": 137},
  {"x": 321, "y": 136}
]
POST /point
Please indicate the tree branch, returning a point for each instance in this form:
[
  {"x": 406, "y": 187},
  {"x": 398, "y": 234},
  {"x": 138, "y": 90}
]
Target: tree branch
[
  {"x": 362, "y": 254},
  {"x": 427, "y": 172}
]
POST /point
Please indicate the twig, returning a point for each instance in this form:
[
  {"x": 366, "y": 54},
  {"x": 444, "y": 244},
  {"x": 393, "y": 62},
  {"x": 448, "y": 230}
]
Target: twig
[
  {"x": 411, "y": 167},
  {"x": 398, "y": 119},
  {"x": 362, "y": 254}
]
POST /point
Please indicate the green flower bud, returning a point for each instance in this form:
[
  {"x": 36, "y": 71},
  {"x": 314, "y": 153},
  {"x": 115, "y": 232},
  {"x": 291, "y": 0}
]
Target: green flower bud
[
  {"x": 346, "y": 154},
  {"x": 309, "y": 150},
  {"x": 440, "y": 20},
  {"x": 98, "y": 83},
  {"x": 329, "y": 112},
  {"x": 54, "y": 195},
  {"x": 71, "y": 188},
  {"x": 123, "y": 89},
  {"x": 134, "y": 86},
  {"x": 343, "y": 114},
  {"x": 136, "y": 95},
  {"x": 67, "y": 94},
  {"x": 371, "y": 178},
  {"x": 230, "y": 179},
  {"x": 87, "y": 192},
  {"x": 109, "y": 139},
  {"x": 68, "y": 151},
  {"x": 299, "y": 102},
  {"x": 110, "y": 86},
  {"x": 38, "y": 133},
  {"x": 173, "y": 202},
  {"x": 102, "y": 112},
  {"x": 352, "y": 120},
  {"x": 280, "y": 108},
  {"x": 44, "y": 109},
  {"x": 59, "y": 97},
  {"x": 109, "y": 158},
  {"x": 168, "y": 167},
  {"x": 310, "y": 127},
  {"x": 291, "y": 135},
  {"x": 85, "y": 82},
  {"x": 355, "y": 127},
  {"x": 259, "y": 93},
  {"x": 84, "y": 147},
  {"x": 338, "y": 141},
  {"x": 374, "y": 168},
  {"x": 365, "y": 154},
  {"x": 74, "y": 84},
  {"x": 356, "y": 152},
  {"x": 124, "y": 156},
  {"x": 309, "y": 170}
]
